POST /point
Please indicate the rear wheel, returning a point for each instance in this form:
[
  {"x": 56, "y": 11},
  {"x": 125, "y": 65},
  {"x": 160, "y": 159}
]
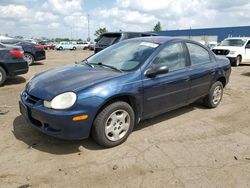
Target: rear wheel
[
  {"x": 74, "y": 48},
  {"x": 113, "y": 124},
  {"x": 212, "y": 100},
  {"x": 29, "y": 58},
  {"x": 2, "y": 76}
]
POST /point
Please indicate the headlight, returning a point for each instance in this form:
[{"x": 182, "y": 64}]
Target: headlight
[
  {"x": 62, "y": 101},
  {"x": 232, "y": 52}
]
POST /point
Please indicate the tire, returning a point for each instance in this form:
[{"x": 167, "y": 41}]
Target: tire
[
  {"x": 237, "y": 61},
  {"x": 109, "y": 128},
  {"x": 212, "y": 100},
  {"x": 74, "y": 48},
  {"x": 29, "y": 58},
  {"x": 60, "y": 48},
  {"x": 3, "y": 76}
]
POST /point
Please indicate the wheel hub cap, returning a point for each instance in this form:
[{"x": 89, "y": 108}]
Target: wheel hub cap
[
  {"x": 28, "y": 58},
  {"x": 217, "y": 95},
  {"x": 117, "y": 125}
]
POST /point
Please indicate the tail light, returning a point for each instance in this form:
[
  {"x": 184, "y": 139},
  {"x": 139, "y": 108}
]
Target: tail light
[
  {"x": 38, "y": 46},
  {"x": 16, "y": 53}
]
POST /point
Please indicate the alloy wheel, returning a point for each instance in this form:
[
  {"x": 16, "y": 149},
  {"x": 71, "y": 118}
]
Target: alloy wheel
[
  {"x": 117, "y": 125},
  {"x": 28, "y": 58},
  {"x": 217, "y": 94}
]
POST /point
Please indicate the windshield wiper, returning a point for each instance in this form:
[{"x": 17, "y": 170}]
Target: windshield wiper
[
  {"x": 109, "y": 66},
  {"x": 87, "y": 63}
]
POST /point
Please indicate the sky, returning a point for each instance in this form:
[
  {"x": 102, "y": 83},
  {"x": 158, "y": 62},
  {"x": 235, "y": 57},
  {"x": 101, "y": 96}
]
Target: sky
[{"x": 69, "y": 18}]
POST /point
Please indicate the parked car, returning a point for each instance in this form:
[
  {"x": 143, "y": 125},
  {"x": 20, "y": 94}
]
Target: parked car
[
  {"x": 81, "y": 45},
  {"x": 92, "y": 46},
  {"x": 47, "y": 45},
  {"x": 111, "y": 38},
  {"x": 12, "y": 62},
  {"x": 110, "y": 92},
  {"x": 237, "y": 50},
  {"x": 66, "y": 46},
  {"x": 32, "y": 52}
]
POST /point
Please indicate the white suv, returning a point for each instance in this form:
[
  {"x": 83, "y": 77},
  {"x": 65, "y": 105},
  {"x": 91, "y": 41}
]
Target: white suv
[{"x": 237, "y": 50}]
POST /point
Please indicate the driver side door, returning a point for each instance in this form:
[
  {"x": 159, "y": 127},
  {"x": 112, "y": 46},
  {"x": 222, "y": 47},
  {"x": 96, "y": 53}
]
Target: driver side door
[{"x": 170, "y": 90}]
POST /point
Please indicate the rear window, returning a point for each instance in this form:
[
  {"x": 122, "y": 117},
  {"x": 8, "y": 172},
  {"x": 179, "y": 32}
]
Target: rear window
[{"x": 109, "y": 39}]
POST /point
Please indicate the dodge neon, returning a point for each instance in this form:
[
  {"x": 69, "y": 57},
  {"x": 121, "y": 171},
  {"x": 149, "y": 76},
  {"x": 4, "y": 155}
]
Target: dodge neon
[{"x": 107, "y": 94}]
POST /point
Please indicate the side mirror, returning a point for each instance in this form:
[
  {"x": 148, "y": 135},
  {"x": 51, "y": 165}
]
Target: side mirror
[{"x": 153, "y": 72}]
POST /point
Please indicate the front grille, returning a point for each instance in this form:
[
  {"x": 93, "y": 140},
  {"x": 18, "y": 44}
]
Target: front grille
[
  {"x": 221, "y": 52},
  {"x": 30, "y": 98}
]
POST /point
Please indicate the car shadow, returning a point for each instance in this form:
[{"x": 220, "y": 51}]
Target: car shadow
[
  {"x": 37, "y": 63},
  {"x": 14, "y": 80},
  {"x": 37, "y": 140},
  {"x": 246, "y": 74},
  {"x": 244, "y": 64}
]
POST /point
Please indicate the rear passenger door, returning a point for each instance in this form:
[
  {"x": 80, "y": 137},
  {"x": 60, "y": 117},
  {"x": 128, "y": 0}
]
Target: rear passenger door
[{"x": 202, "y": 71}]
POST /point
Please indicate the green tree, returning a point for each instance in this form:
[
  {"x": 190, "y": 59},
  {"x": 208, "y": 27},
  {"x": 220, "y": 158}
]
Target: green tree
[
  {"x": 157, "y": 27},
  {"x": 99, "y": 32}
]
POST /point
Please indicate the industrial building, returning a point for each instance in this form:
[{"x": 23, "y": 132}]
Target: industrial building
[{"x": 209, "y": 34}]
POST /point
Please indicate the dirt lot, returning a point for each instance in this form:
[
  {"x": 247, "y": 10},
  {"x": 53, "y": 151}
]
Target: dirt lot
[{"x": 189, "y": 147}]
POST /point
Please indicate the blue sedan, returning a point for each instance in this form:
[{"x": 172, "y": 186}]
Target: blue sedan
[{"x": 107, "y": 94}]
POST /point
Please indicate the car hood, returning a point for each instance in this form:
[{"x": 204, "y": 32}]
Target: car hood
[
  {"x": 74, "y": 78},
  {"x": 226, "y": 48}
]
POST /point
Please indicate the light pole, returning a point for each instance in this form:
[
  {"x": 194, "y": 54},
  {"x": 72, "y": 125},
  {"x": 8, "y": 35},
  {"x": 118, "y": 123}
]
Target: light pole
[{"x": 88, "y": 28}]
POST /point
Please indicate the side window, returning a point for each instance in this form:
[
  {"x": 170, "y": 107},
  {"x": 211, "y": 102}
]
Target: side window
[
  {"x": 248, "y": 44},
  {"x": 198, "y": 55},
  {"x": 172, "y": 56}
]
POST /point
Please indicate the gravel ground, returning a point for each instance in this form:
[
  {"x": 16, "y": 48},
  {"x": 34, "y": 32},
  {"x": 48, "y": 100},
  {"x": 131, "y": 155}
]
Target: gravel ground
[{"x": 189, "y": 147}]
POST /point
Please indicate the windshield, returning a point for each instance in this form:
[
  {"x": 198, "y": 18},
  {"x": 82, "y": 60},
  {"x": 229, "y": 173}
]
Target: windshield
[
  {"x": 233, "y": 42},
  {"x": 124, "y": 56}
]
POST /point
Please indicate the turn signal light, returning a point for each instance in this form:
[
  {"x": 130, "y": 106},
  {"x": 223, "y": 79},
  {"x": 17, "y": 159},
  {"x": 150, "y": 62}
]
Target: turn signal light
[{"x": 81, "y": 117}]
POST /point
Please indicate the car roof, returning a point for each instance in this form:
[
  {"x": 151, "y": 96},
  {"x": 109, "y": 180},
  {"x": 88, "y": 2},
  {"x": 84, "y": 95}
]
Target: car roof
[
  {"x": 130, "y": 32},
  {"x": 161, "y": 39}
]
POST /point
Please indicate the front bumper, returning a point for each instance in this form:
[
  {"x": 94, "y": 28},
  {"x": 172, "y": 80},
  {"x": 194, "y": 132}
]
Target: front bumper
[
  {"x": 232, "y": 59},
  {"x": 56, "y": 123}
]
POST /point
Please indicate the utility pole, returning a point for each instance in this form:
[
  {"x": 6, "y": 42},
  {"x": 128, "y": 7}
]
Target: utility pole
[{"x": 88, "y": 29}]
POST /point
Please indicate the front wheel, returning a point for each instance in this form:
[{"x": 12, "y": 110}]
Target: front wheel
[
  {"x": 212, "y": 100},
  {"x": 113, "y": 124},
  {"x": 237, "y": 61}
]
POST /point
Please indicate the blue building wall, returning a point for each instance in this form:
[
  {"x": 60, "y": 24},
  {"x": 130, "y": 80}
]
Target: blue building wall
[{"x": 222, "y": 33}]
